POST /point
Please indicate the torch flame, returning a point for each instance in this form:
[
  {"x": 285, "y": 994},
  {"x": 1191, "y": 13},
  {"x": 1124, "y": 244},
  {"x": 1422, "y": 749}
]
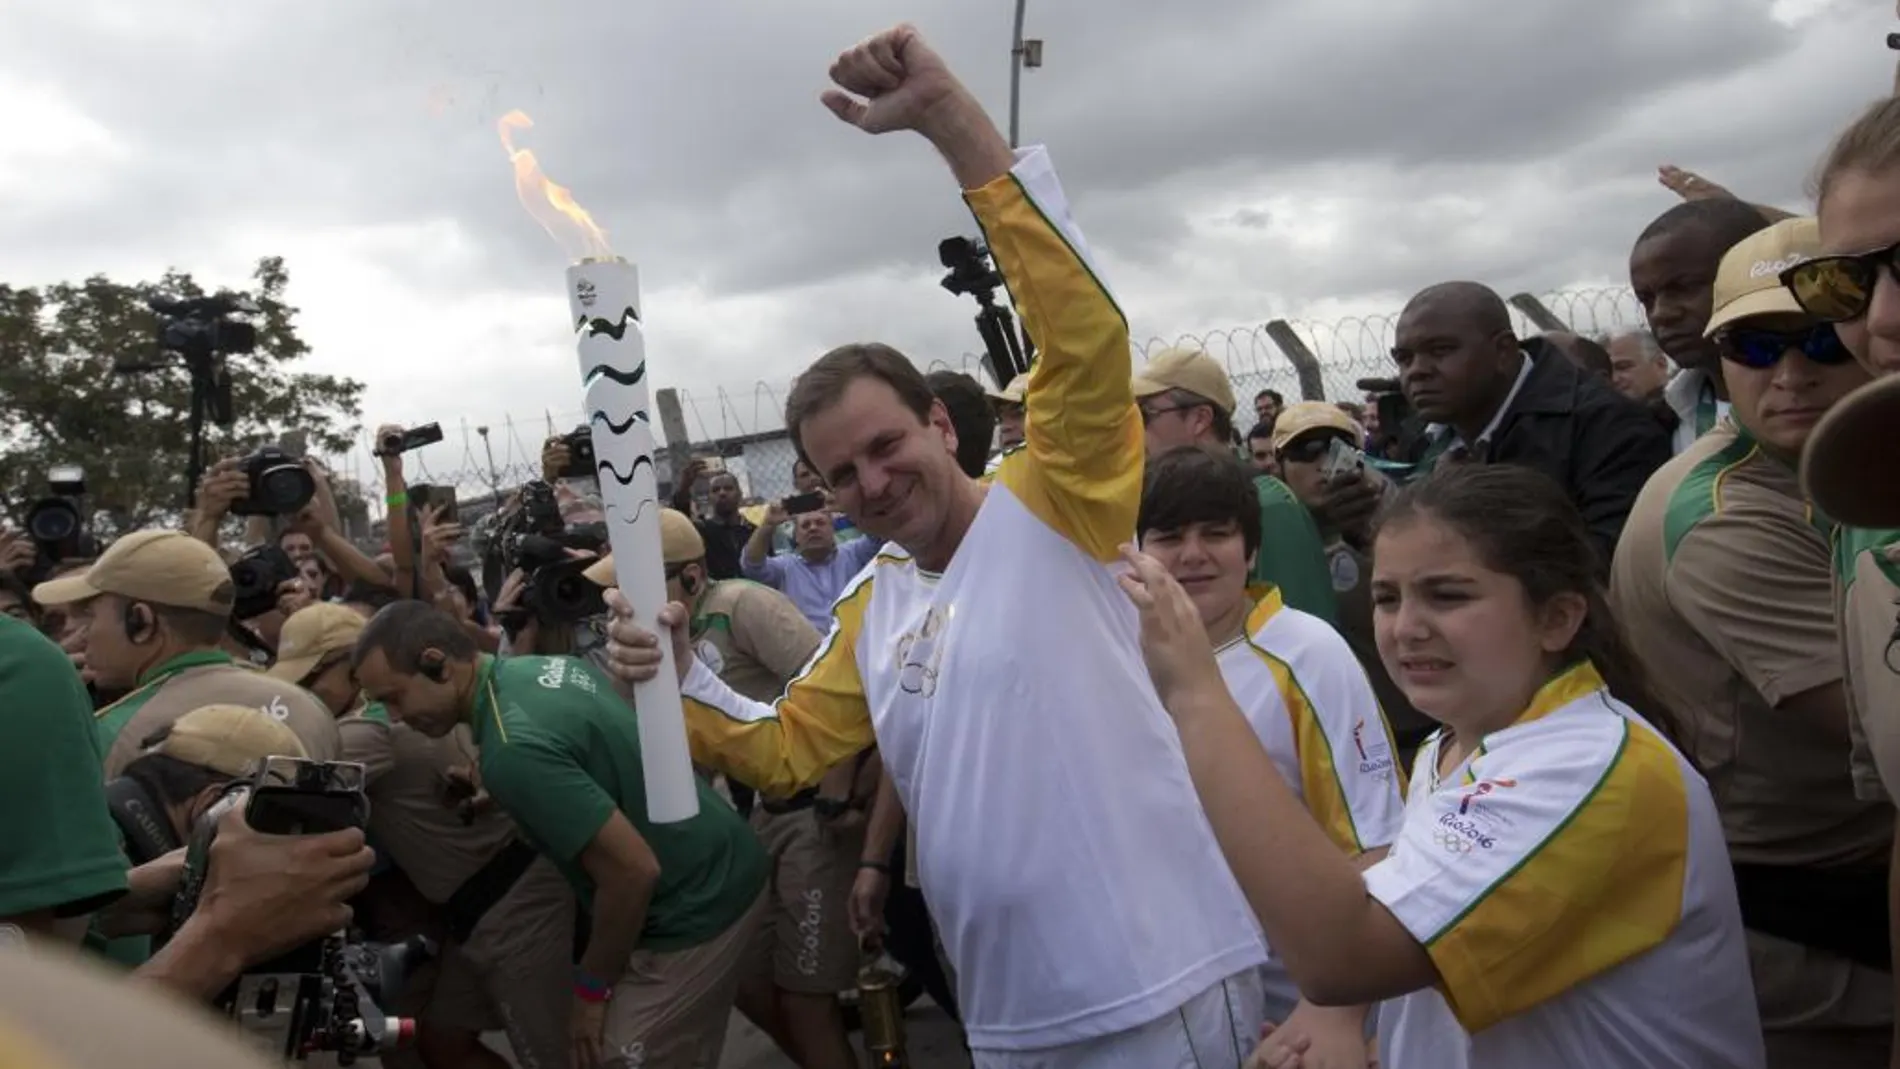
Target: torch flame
[{"x": 548, "y": 202}]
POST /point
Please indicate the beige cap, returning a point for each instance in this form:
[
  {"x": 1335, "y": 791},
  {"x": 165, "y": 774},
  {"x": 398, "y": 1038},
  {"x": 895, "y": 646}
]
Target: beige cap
[
  {"x": 1303, "y": 416},
  {"x": 168, "y": 568},
  {"x": 1013, "y": 393},
  {"x": 679, "y": 544},
  {"x": 232, "y": 739},
  {"x": 1748, "y": 282},
  {"x": 1848, "y": 466},
  {"x": 1185, "y": 369},
  {"x": 311, "y": 634}
]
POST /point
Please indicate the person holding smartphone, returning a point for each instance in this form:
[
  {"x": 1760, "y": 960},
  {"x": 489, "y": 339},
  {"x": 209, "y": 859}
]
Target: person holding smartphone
[{"x": 818, "y": 568}]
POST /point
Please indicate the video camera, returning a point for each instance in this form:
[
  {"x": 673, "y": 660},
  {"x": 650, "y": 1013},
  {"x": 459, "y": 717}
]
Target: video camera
[
  {"x": 279, "y": 485},
  {"x": 57, "y": 522},
  {"x": 325, "y": 996},
  {"x": 257, "y": 575},
  {"x": 201, "y": 326},
  {"x": 534, "y": 539},
  {"x": 973, "y": 274}
]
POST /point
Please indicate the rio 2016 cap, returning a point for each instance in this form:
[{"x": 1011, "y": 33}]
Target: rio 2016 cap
[
  {"x": 168, "y": 568},
  {"x": 232, "y": 739},
  {"x": 1748, "y": 282},
  {"x": 1013, "y": 393},
  {"x": 1302, "y": 416},
  {"x": 679, "y": 544},
  {"x": 1185, "y": 369},
  {"x": 311, "y": 634}
]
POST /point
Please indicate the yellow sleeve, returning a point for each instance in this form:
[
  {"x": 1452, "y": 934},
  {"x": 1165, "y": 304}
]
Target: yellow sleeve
[
  {"x": 788, "y": 745},
  {"x": 1082, "y": 466}
]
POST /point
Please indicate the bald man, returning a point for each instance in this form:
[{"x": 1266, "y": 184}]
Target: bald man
[{"x": 1487, "y": 396}]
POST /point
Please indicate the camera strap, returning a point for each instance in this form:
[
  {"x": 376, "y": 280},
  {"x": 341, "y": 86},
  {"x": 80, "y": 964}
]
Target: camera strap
[{"x": 142, "y": 821}]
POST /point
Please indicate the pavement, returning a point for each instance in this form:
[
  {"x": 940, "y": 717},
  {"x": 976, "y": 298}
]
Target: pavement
[{"x": 932, "y": 1043}]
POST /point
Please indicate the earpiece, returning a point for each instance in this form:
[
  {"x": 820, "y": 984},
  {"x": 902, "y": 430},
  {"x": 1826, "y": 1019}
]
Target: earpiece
[
  {"x": 138, "y": 622},
  {"x": 433, "y": 668},
  {"x": 689, "y": 583}
]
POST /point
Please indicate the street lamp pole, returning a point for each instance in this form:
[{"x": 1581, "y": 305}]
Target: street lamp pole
[{"x": 1016, "y": 73}]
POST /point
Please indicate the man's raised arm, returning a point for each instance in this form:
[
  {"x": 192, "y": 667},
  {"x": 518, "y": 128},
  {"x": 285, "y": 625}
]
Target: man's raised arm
[{"x": 1081, "y": 472}]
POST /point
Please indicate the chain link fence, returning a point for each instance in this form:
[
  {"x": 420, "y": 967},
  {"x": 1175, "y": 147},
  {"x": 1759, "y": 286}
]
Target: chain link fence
[{"x": 745, "y": 429}]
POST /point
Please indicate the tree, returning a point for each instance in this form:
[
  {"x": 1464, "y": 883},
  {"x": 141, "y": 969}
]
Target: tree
[{"x": 62, "y": 402}]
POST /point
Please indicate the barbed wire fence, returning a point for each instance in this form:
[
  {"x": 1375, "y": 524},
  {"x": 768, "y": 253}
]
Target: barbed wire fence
[{"x": 1300, "y": 359}]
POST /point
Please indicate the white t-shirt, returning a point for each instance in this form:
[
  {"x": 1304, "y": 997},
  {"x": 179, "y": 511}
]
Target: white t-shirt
[
  {"x": 1571, "y": 884},
  {"x": 1074, "y": 878},
  {"x": 1307, "y": 698}
]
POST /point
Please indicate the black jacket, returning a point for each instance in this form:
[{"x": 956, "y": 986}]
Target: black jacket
[{"x": 1574, "y": 427}]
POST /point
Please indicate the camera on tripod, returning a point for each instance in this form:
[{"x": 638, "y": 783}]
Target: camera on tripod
[
  {"x": 535, "y": 540},
  {"x": 325, "y": 996},
  {"x": 973, "y": 274},
  {"x": 279, "y": 485},
  {"x": 202, "y": 326}
]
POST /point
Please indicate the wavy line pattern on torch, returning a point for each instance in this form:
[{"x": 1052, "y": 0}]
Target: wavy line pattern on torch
[
  {"x": 624, "y": 378},
  {"x": 619, "y": 428},
  {"x": 634, "y": 520},
  {"x": 606, "y": 467},
  {"x": 597, "y": 325}
]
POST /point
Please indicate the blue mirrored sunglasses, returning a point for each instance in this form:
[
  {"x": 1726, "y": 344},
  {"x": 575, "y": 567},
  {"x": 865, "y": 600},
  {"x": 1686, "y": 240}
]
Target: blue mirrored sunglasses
[{"x": 1764, "y": 348}]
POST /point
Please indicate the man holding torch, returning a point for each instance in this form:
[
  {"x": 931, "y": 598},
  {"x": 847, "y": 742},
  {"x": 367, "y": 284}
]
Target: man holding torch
[{"x": 1121, "y": 940}]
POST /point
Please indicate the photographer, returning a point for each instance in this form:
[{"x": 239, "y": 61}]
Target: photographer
[
  {"x": 183, "y": 769},
  {"x": 315, "y": 523},
  {"x": 156, "y": 606}
]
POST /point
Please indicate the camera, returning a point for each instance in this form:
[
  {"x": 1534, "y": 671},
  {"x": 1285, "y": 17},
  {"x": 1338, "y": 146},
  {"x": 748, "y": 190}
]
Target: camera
[
  {"x": 399, "y": 442},
  {"x": 534, "y": 539},
  {"x": 257, "y": 575},
  {"x": 973, "y": 274},
  {"x": 325, "y": 995},
  {"x": 971, "y": 271},
  {"x": 279, "y": 485},
  {"x": 56, "y": 523},
  {"x": 580, "y": 454},
  {"x": 201, "y": 326}
]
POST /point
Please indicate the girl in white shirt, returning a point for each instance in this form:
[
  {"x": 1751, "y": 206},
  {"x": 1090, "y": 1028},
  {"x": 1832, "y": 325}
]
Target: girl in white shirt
[{"x": 1559, "y": 894}]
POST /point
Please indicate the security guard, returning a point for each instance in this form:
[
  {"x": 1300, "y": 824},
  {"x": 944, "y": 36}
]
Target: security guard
[
  {"x": 509, "y": 918},
  {"x": 156, "y": 606},
  {"x": 756, "y": 639}
]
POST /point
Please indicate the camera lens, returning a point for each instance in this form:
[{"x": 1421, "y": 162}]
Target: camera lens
[
  {"x": 52, "y": 521},
  {"x": 285, "y": 488}
]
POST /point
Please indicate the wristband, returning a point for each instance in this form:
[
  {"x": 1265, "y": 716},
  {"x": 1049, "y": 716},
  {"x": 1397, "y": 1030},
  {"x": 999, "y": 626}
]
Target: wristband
[
  {"x": 876, "y": 866},
  {"x": 588, "y": 989},
  {"x": 398, "y": 499}
]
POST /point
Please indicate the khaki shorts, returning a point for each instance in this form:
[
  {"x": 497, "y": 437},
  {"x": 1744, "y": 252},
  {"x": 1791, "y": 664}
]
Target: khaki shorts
[
  {"x": 807, "y": 939},
  {"x": 670, "y": 1009},
  {"x": 516, "y": 971},
  {"x": 1819, "y": 1010}
]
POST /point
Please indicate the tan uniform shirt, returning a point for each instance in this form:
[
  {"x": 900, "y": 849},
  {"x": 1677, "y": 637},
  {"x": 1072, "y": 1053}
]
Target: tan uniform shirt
[
  {"x": 1867, "y": 578},
  {"x": 752, "y": 637},
  {"x": 1724, "y": 583},
  {"x": 160, "y": 705},
  {"x": 413, "y": 814}
]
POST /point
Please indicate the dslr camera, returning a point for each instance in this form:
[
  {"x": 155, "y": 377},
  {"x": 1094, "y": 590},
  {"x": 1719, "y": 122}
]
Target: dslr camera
[
  {"x": 535, "y": 540},
  {"x": 57, "y": 522},
  {"x": 279, "y": 485},
  {"x": 257, "y": 575},
  {"x": 580, "y": 454},
  {"x": 325, "y": 996}
]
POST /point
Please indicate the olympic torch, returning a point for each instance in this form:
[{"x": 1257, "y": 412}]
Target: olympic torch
[{"x": 603, "y": 292}]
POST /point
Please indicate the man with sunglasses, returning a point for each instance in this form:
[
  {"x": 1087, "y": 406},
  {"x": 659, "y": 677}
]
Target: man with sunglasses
[{"x": 1724, "y": 581}]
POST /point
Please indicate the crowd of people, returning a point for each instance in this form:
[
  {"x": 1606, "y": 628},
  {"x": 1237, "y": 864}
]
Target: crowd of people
[{"x": 1541, "y": 708}]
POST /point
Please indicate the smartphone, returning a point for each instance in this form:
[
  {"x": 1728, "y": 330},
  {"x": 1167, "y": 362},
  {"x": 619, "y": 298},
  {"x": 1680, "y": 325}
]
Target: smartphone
[
  {"x": 801, "y": 503},
  {"x": 442, "y": 497},
  {"x": 1342, "y": 461},
  {"x": 410, "y": 440}
]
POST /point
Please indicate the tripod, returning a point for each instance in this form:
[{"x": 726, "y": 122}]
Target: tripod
[
  {"x": 1007, "y": 355},
  {"x": 210, "y": 396}
]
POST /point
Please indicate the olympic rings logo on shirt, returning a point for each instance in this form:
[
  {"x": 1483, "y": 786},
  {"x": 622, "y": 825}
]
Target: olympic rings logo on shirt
[{"x": 1452, "y": 842}]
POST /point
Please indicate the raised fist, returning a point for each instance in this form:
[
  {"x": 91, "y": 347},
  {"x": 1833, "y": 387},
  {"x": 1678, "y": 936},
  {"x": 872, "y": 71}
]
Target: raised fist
[{"x": 891, "y": 81}]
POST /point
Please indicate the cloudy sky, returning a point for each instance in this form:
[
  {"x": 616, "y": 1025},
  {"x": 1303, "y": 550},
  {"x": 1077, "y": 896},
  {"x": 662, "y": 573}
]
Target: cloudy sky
[{"x": 1232, "y": 161}]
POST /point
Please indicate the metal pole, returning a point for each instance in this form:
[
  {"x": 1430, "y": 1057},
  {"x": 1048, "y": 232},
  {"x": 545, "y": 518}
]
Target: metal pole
[{"x": 1016, "y": 73}]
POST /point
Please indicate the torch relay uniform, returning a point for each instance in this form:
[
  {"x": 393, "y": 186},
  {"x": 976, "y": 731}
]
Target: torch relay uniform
[
  {"x": 560, "y": 752},
  {"x": 1570, "y": 881},
  {"x": 1307, "y": 698},
  {"x": 1122, "y": 940}
]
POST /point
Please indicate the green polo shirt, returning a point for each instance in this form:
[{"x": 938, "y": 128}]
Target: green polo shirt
[
  {"x": 1291, "y": 555},
  {"x": 560, "y": 751},
  {"x": 61, "y": 849}
]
